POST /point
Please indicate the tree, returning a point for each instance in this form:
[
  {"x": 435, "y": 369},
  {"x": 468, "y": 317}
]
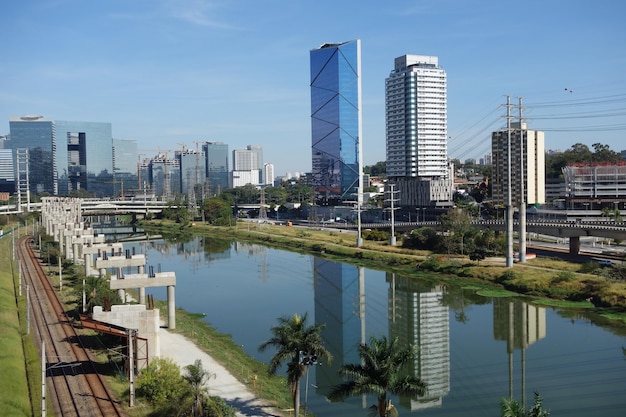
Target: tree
[
  {"x": 217, "y": 211},
  {"x": 376, "y": 170},
  {"x": 198, "y": 377},
  {"x": 478, "y": 255},
  {"x": 379, "y": 372},
  {"x": 510, "y": 407},
  {"x": 160, "y": 382},
  {"x": 458, "y": 224},
  {"x": 297, "y": 344}
]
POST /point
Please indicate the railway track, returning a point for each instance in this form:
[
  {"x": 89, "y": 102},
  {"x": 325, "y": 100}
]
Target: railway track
[{"x": 74, "y": 387}]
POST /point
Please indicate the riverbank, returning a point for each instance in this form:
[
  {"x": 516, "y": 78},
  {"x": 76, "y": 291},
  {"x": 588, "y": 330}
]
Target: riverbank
[
  {"x": 550, "y": 282},
  {"x": 19, "y": 375}
]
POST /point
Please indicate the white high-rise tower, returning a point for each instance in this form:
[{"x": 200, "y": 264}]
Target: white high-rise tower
[{"x": 416, "y": 118}]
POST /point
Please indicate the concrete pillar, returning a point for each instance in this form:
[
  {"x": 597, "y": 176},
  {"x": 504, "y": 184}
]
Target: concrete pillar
[
  {"x": 87, "y": 258},
  {"x": 103, "y": 272},
  {"x": 574, "y": 245},
  {"x": 171, "y": 307},
  {"x": 122, "y": 295},
  {"x": 522, "y": 233},
  {"x": 59, "y": 238},
  {"x": 75, "y": 252},
  {"x": 142, "y": 295},
  {"x": 68, "y": 246},
  {"x": 141, "y": 269}
]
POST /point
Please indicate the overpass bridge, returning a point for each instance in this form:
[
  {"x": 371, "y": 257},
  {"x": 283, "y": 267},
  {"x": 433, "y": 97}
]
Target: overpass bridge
[
  {"x": 92, "y": 207},
  {"x": 572, "y": 230}
]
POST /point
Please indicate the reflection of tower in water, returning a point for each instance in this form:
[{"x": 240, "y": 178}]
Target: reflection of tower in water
[
  {"x": 340, "y": 305},
  {"x": 520, "y": 325},
  {"x": 418, "y": 317}
]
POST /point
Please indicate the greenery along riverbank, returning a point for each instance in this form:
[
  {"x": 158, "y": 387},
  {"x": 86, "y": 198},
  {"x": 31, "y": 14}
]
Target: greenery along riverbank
[{"x": 548, "y": 281}]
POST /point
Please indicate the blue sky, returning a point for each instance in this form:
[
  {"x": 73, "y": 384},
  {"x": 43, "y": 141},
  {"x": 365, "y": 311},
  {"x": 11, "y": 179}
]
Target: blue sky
[{"x": 171, "y": 72}]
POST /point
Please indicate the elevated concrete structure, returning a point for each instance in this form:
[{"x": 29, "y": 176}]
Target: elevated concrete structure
[
  {"x": 142, "y": 281},
  {"x": 136, "y": 316}
]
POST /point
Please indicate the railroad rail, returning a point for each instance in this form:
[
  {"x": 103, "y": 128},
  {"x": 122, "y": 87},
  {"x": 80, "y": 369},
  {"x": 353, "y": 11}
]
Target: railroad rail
[{"x": 74, "y": 386}]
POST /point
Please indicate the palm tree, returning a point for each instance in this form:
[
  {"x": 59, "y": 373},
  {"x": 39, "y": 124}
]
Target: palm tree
[
  {"x": 197, "y": 377},
  {"x": 379, "y": 372},
  {"x": 299, "y": 346},
  {"x": 510, "y": 407}
]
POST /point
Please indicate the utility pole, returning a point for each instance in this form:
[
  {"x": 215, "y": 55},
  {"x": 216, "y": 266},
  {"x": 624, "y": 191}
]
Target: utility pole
[
  {"x": 522, "y": 199},
  {"x": 392, "y": 209},
  {"x": 131, "y": 365},
  {"x": 509, "y": 205}
]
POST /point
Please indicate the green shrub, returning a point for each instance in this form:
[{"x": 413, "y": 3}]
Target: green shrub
[
  {"x": 160, "y": 382},
  {"x": 506, "y": 277},
  {"x": 563, "y": 276},
  {"x": 217, "y": 407}
]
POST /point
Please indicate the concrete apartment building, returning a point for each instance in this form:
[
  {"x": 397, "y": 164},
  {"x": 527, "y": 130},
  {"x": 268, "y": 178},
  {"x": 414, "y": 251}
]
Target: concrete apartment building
[
  {"x": 528, "y": 145},
  {"x": 416, "y": 132}
]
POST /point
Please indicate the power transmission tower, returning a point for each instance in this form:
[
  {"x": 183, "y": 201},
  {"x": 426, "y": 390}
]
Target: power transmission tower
[
  {"x": 262, "y": 209},
  {"x": 23, "y": 181}
]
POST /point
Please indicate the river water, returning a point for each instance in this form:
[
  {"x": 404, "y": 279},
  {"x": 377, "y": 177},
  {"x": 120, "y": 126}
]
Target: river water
[{"x": 473, "y": 350}]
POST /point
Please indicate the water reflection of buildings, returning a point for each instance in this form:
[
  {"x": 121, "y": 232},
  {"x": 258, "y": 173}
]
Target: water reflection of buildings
[
  {"x": 418, "y": 317},
  {"x": 519, "y": 325},
  {"x": 196, "y": 251},
  {"x": 339, "y": 304}
]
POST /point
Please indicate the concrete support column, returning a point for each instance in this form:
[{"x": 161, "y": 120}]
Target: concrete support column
[
  {"x": 75, "y": 252},
  {"x": 122, "y": 295},
  {"x": 87, "y": 258},
  {"x": 142, "y": 295},
  {"x": 522, "y": 233},
  {"x": 68, "y": 246},
  {"x": 574, "y": 245},
  {"x": 103, "y": 272},
  {"x": 141, "y": 269},
  {"x": 171, "y": 307},
  {"x": 60, "y": 238}
]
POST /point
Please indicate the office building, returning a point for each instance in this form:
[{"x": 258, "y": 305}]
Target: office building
[
  {"x": 7, "y": 173},
  {"x": 216, "y": 163},
  {"x": 65, "y": 156},
  {"x": 268, "y": 174},
  {"x": 192, "y": 171},
  {"x": 38, "y": 135},
  {"x": 336, "y": 132},
  {"x": 84, "y": 157},
  {"x": 245, "y": 161},
  {"x": 532, "y": 168},
  {"x": 125, "y": 174},
  {"x": 416, "y": 118},
  {"x": 164, "y": 176}
]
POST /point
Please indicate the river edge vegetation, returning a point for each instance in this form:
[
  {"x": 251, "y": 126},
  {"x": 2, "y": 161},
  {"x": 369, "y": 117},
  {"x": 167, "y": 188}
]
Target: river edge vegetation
[{"x": 546, "y": 281}]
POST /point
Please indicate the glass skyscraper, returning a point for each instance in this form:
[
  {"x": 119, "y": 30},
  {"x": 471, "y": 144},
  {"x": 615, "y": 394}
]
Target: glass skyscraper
[
  {"x": 125, "y": 166},
  {"x": 192, "y": 170},
  {"x": 65, "y": 156},
  {"x": 38, "y": 135},
  {"x": 336, "y": 121},
  {"x": 85, "y": 157},
  {"x": 216, "y": 154}
]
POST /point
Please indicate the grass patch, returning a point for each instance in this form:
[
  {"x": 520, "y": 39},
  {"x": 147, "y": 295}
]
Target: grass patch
[
  {"x": 496, "y": 293},
  {"x": 19, "y": 361},
  {"x": 562, "y": 303}
]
